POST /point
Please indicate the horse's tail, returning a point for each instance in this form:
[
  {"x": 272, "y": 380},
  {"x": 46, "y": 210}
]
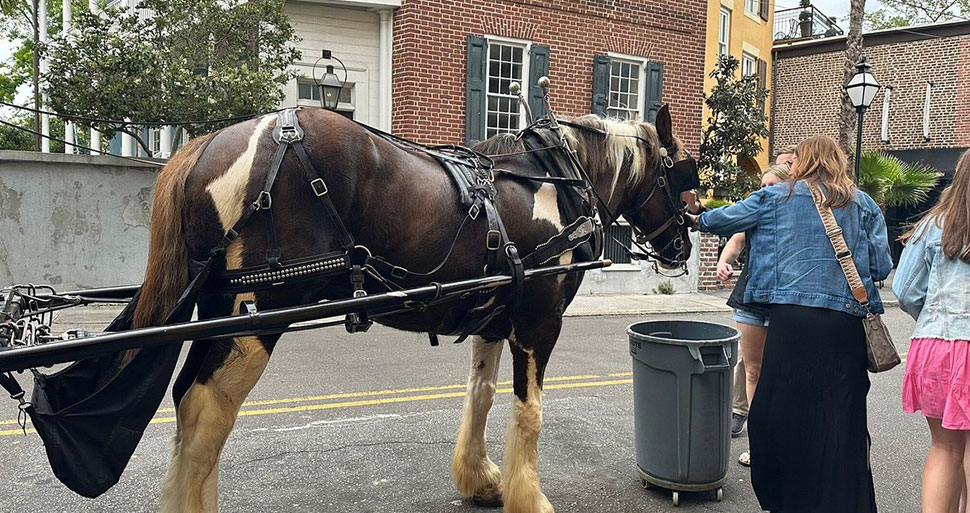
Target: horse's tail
[{"x": 167, "y": 273}]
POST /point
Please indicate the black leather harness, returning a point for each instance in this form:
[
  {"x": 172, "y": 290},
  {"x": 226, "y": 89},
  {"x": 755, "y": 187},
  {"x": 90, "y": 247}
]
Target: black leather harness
[{"x": 473, "y": 175}]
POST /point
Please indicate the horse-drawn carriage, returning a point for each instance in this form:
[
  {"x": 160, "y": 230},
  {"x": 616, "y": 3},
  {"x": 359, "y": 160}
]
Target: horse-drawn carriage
[{"x": 488, "y": 243}]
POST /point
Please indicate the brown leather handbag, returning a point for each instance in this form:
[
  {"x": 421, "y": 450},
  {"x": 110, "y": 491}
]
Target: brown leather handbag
[{"x": 880, "y": 349}]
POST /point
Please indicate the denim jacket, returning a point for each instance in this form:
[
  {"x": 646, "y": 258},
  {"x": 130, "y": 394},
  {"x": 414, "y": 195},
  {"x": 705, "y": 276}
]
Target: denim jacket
[
  {"x": 792, "y": 260},
  {"x": 932, "y": 288}
]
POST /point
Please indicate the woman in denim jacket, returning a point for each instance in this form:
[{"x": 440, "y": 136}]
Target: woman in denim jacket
[
  {"x": 807, "y": 425},
  {"x": 933, "y": 285}
]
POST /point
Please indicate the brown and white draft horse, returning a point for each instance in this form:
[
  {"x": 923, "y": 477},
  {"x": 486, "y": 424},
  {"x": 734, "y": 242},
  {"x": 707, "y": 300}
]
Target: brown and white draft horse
[{"x": 402, "y": 206}]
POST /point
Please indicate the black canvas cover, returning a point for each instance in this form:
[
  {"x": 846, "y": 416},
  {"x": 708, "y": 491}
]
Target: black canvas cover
[{"x": 92, "y": 414}]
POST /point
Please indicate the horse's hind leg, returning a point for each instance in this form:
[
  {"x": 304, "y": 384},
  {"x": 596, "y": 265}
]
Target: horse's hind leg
[
  {"x": 475, "y": 474},
  {"x": 206, "y": 414},
  {"x": 521, "y": 465}
]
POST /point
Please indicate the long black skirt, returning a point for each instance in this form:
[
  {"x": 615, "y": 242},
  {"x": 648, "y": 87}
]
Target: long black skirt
[{"x": 807, "y": 424}]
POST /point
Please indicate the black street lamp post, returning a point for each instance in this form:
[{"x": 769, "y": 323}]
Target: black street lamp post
[{"x": 862, "y": 88}]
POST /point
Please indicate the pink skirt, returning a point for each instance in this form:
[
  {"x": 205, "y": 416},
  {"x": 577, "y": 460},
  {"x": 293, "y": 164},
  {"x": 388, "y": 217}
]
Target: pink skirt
[{"x": 937, "y": 381}]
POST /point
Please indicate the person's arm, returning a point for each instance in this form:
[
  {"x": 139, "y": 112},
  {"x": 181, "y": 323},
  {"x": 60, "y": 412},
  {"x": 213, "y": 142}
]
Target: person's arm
[
  {"x": 913, "y": 274},
  {"x": 880, "y": 258},
  {"x": 735, "y": 218},
  {"x": 729, "y": 255}
]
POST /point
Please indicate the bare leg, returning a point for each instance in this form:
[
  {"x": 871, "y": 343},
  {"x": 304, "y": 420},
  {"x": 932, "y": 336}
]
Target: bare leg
[
  {"x": 943, "y": 475},
  {"x": 752, "y": 350},
  {"x": 521, "y": 469},
  {"x": 740, "y": 389},
  {"x": 206, "y": 415},
  {"x": 475, "y": 474}
]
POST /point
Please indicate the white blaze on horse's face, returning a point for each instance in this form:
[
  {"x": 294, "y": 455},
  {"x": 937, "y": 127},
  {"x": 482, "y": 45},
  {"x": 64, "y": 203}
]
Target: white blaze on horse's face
[
  {"x": 546, "y": 206},
  {"x": 229, "y": 190}
]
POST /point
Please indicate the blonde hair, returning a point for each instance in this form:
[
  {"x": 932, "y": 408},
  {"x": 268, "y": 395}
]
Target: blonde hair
[
  {"x": 820, "y": 162},
  {"x": 780, "y": 171},
  {"x": 951, "y": 213}
]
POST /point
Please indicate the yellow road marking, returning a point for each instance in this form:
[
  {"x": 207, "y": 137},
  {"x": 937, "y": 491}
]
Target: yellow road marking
[
  {"x": 350, "y": 395},
  {"x": 392, "y": 400},
  {"x": 384, "y": 400}
]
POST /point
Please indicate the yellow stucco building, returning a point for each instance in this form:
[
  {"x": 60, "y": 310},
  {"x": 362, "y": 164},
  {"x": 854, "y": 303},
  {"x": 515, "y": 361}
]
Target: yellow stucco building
[{"x": 743, "y": 29}]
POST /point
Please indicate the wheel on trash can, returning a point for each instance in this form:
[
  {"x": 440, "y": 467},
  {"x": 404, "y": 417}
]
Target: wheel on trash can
[
  {"x": 676, "y": 499},
  {"x": 644, "y": 483},
  {"x": 719, "y": 494}
]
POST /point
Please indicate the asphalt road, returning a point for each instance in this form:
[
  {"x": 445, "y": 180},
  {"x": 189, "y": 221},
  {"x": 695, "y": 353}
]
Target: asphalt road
[{"x": 366, "y": 423}]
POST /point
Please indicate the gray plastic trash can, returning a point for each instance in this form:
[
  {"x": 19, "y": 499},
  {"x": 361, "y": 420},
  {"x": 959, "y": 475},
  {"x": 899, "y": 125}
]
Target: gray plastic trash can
[{"x": 682, "y": 385}]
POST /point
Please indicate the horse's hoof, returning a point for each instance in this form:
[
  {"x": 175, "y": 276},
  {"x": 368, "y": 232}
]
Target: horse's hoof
[{"x": 492, "y": 501}]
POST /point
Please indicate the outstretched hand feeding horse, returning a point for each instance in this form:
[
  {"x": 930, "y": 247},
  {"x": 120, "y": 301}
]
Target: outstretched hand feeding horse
[{"x": 396, "y": 208}]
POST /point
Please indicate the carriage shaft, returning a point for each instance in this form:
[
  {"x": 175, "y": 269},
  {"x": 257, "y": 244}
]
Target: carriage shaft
[{"x": 20, "y": 358}]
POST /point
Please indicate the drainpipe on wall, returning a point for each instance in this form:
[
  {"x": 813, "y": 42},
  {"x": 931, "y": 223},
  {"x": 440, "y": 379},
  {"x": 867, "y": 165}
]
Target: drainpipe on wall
[{"x": 774, "y": 100}]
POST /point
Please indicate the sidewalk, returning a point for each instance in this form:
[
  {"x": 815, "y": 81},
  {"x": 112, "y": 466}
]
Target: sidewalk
[{"x": 96, "y": 318}]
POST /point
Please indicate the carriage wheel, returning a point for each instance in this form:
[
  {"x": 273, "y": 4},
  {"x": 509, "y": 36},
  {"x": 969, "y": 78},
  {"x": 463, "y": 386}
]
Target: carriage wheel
[
  {"x": 719, "y": 494},
  {"x": 644, "y": 483},
  {"x": 676, "y": 499}
]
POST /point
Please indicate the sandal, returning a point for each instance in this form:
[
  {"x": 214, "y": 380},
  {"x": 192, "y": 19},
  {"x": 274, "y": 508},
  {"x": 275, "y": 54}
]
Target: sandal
[{"x": 745, "y": 459}]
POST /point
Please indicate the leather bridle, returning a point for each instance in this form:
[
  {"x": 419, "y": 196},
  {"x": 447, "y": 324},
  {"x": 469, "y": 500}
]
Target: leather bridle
[{"x": 661, "y": 182}]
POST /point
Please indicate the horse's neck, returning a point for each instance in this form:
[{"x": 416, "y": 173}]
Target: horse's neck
[{"x": 602, "y": 173}]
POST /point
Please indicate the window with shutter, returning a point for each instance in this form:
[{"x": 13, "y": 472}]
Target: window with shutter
[
  {"x": 475, "y": 90},
  {"x": 655, "y": 91},
  {"x": 762, "y": 79},
  {"x": 538, "y": 67},
  {"x": 764, "y": 11}
]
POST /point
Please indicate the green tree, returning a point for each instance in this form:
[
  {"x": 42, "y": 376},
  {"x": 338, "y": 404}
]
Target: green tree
[
  {"x": 735, "y": 127},
  {"x": 894, "y": 183},
  {"x": 901, "y": 13},
  {"x": 191, "y": 60}
]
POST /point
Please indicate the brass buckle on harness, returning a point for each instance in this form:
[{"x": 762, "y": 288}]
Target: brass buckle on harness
[
  {"x": 493, "y": 240},
  {"x": 319, "y": 186}
]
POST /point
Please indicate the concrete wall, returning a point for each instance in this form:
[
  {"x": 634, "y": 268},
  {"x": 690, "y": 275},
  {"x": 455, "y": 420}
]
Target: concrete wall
[{"x": 73, "y": 221}]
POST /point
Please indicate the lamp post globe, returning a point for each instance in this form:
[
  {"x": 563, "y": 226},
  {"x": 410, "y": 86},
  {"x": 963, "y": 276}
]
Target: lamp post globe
[{"x": 861, "y": 89}]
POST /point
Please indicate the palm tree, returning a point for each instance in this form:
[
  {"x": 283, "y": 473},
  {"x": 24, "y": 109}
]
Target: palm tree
[{"x": 894, "y": 183}]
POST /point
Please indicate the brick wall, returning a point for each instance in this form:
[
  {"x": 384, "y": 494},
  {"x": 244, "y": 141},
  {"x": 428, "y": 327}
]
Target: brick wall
[
  {"x": 808, "y": 90},
  {"x": 709, "y": 248},
  {"x": 429, "y": 55}
]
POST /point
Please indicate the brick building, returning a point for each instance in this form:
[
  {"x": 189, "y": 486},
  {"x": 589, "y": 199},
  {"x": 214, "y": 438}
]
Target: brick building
[
  {"x": 922, "y": 113},
  {"x": 653, "y": 51}
]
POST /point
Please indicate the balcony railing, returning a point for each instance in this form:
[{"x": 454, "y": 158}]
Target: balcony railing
[{"x": 804, "y": 23}]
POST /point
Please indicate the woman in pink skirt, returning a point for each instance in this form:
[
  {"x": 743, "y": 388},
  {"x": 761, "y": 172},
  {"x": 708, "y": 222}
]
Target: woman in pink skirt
[{"x": 933, "y": 285}]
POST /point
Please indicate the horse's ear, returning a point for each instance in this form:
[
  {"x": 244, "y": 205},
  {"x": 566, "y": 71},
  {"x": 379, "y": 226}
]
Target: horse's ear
[{"x": 665, "y": 130}]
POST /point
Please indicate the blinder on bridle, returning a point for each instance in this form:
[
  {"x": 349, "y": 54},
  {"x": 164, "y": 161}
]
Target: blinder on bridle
[{"x": 672, "y": 178}]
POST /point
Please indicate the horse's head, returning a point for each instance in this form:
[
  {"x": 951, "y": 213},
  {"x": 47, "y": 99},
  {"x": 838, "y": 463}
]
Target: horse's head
[{"x": 654, "y": 207}]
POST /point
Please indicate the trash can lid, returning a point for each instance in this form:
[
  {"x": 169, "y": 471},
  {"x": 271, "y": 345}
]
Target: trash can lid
[{"x": 687, "y": 333}]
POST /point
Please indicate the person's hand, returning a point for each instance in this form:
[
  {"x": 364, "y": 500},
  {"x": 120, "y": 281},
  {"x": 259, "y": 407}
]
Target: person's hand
[
  {"x": 725, "y": 271},
  {"x": 693, "y": 204},
  {"x": 693, "y": 222}
]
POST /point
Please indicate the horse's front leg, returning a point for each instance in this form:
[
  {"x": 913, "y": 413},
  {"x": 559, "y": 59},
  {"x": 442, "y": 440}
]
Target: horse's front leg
[
  {"x": 475, "y": 475},
  {"x": 206, "y": 414},
  {"x": 530, "y": 353}
]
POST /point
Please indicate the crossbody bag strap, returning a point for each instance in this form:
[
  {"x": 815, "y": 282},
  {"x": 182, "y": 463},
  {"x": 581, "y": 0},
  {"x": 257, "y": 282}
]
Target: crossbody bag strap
[{"x": 842, "y": 252}]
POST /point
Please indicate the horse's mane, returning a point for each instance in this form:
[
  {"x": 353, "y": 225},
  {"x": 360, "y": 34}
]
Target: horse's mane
[{"x": 623, "y": 148}]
